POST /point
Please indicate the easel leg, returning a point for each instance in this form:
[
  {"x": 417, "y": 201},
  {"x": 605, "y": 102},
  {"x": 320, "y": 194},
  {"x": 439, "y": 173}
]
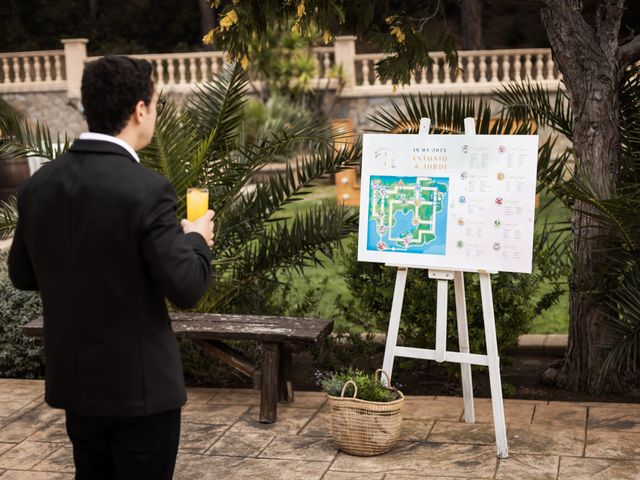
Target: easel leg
[
  {"x": 441, "y": 320},
  {"x": 494, "y": 366},
  {"x": 463, "y": 342},
  {"x": 394, "y": 321}
]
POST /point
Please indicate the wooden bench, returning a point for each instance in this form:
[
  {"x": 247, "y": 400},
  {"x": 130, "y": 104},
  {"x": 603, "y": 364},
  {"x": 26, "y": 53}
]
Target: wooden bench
[{"x": 278, "y": 336}]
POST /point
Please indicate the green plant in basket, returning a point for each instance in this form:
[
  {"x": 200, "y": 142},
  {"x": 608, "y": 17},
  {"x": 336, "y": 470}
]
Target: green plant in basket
[
  {"x": 369, "y": 386},
  {"x": 366, "y": 415}
]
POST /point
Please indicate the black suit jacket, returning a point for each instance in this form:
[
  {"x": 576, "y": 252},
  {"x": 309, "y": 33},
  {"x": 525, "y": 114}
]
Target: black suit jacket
[{"x": 98, "y": 236}]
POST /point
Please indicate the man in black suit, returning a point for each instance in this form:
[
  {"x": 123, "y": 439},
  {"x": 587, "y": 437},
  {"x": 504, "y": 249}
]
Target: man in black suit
[{"x": 98, "y": 236}]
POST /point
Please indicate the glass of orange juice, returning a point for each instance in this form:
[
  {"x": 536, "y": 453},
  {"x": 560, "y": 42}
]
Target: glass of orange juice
[{"x": 197, "y": 203}]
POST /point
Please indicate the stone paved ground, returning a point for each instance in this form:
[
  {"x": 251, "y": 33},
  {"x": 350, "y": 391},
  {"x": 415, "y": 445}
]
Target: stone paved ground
[{"x": 221, "y": 439}]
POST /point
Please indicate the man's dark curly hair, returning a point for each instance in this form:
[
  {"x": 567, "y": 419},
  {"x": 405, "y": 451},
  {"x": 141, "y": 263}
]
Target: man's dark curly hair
[{"x": 111, "y": 88}]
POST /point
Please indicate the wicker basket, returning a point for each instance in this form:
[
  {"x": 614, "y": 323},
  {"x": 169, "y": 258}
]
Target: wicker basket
[{"x": 365, "y": 428}]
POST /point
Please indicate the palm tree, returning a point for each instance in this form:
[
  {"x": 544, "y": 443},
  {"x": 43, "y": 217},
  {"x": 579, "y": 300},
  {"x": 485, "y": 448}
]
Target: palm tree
[{"x": 205, "y": 145}]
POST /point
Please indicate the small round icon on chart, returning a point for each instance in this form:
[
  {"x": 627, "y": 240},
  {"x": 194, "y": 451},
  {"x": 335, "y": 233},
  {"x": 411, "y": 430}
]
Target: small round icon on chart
[
  {"x": 500, "y": 176},
  {"x": 461, "y": 221},
  {"x": 497, "y": 246},
  {"x": 502, "y": 149},
  {"x": 460, "y": 244},
  {"x": 462, "y": 199},
  {"x": 497, "y": 223},
  {"x": 464, "y": 175},
  {"x": 499, "y": 201}
]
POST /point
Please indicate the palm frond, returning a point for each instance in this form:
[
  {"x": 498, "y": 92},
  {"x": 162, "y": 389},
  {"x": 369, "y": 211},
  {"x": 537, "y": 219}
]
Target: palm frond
[
  {"x": 315, "y": 232},
  {"x": 282, "y": 188},
  {"x": 6, "y": 108},
  {"x": 176, "y": 152},
  {"x": 630, "y": 126},
  {"x": 218, "y": 106},
  {"x": 11, "y": 151},
  {"x": 623, "y": 342},
  {"x": 231, "y": 173},
  {"x": 554, "y": 168},
  {"x": 8, "y": 217},
  {"x": 447, "y": 114},
  {"x": 552, "y": 241},
  {"x": 527, "y": 101},
  {"x": 619, "y": 213},
  {"x": 30, "y": 140}
]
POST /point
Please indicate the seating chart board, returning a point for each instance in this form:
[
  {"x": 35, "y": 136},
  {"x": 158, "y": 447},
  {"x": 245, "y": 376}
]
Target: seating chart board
[{"x": 460, "y": 202}]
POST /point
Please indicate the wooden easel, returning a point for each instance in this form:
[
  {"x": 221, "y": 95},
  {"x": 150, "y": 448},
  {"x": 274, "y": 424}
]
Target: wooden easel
[{"x": 440, "y": 354}]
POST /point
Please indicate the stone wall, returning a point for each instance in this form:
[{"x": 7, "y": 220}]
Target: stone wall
[
  {"x": 359, "y": 109},
  {"x": 54, "y": 109}
]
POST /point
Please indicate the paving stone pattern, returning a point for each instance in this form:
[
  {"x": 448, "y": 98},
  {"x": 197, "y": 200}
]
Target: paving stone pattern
[{"x": 222, "y": 439}]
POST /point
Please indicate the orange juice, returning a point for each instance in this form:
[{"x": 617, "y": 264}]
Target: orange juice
[{"x": 197, "y": 203}]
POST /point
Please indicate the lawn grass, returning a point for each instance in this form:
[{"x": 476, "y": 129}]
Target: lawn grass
[
  {"x": 556, "y": 318},
  {"x": 328, "y": 280}
]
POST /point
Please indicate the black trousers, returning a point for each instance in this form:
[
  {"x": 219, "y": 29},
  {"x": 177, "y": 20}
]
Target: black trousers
[{"x": 137, "y": 448}]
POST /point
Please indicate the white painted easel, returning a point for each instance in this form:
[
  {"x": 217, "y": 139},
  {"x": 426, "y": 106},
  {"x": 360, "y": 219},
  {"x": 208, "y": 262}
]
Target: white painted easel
[{"x": 440, "y": 354}]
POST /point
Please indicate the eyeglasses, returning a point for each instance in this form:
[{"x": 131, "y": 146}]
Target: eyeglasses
[{"x": 160, "y": 105}]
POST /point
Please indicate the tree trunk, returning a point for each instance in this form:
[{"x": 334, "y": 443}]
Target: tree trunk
[
  {"x": 471, "y": 25},
  {"x": 93, "y": 9},
  {"x": 207, "y": 19},
  {"x": 588, "y": 58}
]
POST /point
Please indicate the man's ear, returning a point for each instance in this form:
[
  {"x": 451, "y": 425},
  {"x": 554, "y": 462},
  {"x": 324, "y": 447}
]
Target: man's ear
[{"x": 139, "y": 111}]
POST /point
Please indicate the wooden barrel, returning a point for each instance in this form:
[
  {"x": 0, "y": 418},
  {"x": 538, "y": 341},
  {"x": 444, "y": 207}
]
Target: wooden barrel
[{"x": 12, "y": 174}]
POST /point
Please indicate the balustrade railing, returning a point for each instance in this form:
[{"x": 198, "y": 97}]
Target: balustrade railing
[
  {"x": 32, "y": 71},
  {"x": 179, "y": 71},
  {"x": 477, "y": 72},
  {"x": 176, "y": 71},
  {"x": 325, "y": 61}
]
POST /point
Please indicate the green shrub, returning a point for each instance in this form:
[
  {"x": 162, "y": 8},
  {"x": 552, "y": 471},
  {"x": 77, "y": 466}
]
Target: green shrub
[
  {"x": 370, "y": 387},
  {"x": 516, "y": 301},
  {"x": 20, "y": 356}
]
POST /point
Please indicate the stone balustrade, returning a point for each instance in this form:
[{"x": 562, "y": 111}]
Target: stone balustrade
[
  {"x": 180, "y": 71},
  {"x": 477, "y": 72},
  {"x": 32, "y": 71}
]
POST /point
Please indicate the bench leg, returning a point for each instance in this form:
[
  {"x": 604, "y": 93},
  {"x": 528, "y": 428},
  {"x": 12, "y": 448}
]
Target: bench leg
[
  {"x": 269, "y": 393},
  {"x": 285, "y": 379}
]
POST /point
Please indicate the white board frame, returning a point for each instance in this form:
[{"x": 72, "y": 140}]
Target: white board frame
[{"x": 504, "y": 171}]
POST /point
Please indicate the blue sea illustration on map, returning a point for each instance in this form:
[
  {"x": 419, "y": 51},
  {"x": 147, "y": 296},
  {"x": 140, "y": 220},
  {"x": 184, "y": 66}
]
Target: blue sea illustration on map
[{"x": 408, "y": 214}]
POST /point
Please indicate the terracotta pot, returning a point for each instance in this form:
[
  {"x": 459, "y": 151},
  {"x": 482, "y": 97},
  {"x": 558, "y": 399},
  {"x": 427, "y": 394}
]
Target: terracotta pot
[{"x": 12, "y": 174}]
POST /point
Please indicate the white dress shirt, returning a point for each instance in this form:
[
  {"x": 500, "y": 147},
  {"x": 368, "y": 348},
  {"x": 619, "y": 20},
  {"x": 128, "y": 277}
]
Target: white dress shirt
[{"x": 108, "y": 138}]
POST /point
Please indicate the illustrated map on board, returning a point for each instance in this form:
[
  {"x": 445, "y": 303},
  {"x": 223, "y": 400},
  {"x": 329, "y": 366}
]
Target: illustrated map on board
[
  {"x": 408, "y": 214},
  {"x": 459, "y": 202}
]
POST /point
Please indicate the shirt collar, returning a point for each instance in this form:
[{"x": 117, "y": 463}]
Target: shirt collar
[{"x": 108, "y": 138}]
